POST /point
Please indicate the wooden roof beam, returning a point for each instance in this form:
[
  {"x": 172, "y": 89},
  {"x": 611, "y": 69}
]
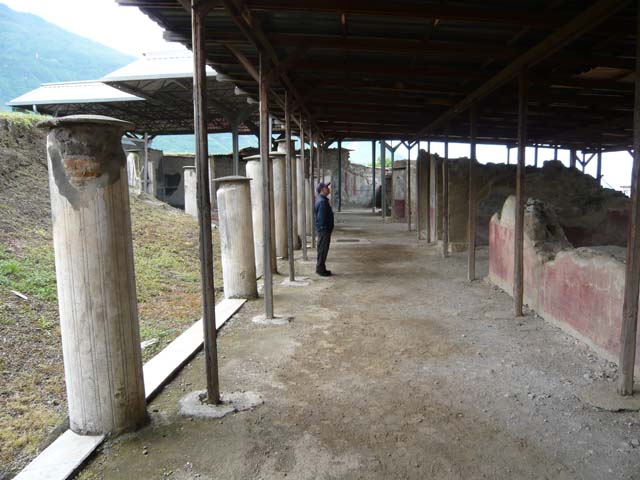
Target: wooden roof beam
[
  {"x": 586, "y": 20},
  {"x": 250, "y": 26}
]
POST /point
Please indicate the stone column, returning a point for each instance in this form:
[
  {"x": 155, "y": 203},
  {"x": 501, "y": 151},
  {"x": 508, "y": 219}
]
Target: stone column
[
  {"x": 189, "y": 179},
  {"x": 254, "y": 172},
  {"x": 310, "y": 222},
  {"x": 280, "y": 203},
  {"x": 300, "y": 184},
  {"x": 94, "y": 271},
  {"x": 297, "y": 245},
  {"x": 236, "y": 237}
]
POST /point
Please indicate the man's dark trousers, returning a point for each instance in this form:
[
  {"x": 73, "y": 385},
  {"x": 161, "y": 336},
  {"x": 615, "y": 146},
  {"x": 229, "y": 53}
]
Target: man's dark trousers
[{"x": 324, "y": 240}]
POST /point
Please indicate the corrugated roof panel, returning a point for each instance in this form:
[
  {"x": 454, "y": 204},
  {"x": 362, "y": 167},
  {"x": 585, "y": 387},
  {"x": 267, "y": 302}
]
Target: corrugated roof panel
[
  {"x": 178, "y": 64},
  {"x": 72, "y": 92}
]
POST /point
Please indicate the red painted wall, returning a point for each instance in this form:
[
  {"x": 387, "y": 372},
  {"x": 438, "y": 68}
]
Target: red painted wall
[{"x": 579, "y": 290}]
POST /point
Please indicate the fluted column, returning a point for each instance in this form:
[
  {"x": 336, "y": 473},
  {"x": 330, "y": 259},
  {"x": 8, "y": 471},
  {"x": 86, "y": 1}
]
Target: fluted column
[{"x": 95, "y": 273}]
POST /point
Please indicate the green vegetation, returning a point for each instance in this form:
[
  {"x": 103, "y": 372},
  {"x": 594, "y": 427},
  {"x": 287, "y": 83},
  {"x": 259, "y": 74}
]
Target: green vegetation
[
  {"x": 387, "y": 163},
  {"x": 31, "y": 275},
  {"x": 165, "y": 243},
  {"x": 35, "y": 51}
]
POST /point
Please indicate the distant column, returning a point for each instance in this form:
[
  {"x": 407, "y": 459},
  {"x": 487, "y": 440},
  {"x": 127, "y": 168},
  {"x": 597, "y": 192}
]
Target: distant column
[
  {"x": 236, "y": 232},
  {"x": 280, "y": 203},
  {"x": 94, "y": 270},
  {"x": 299, "y": 197},
  {"x": 254, "y": 172},
  {"x": 189, "y": 179}
]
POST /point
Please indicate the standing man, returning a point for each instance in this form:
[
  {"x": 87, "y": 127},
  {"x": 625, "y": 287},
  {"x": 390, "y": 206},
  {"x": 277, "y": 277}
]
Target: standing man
[{"x": 324, "y": 226}]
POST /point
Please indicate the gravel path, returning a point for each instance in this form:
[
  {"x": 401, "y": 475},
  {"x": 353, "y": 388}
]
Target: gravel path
[{"x": 396, "y": 367}]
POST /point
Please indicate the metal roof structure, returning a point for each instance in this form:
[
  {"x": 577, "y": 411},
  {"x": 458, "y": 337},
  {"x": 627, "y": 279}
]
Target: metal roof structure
[
  {"x": 368, "y": 69},
  {"x": 153, "y": 92}
]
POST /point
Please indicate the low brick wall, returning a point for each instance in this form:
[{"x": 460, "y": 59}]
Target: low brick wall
[{"x": 579, "y": 290}]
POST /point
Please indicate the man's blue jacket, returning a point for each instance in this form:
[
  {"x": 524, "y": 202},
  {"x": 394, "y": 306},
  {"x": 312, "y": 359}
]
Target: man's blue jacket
[{"x": 323, "y": 214}]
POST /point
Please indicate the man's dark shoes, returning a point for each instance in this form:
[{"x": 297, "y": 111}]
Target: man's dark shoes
[{"x": 324, "y": 273}]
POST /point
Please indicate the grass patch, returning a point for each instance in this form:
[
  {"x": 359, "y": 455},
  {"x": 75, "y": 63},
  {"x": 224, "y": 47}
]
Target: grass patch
[
  {"x": 31, "y": 274},
  {"x": 32, "y": 397}
]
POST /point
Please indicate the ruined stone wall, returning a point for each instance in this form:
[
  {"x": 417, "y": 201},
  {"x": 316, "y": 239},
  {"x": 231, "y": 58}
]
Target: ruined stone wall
[
  {"x": 578, "y": 289},
  {"x": 589, "y": 214},
  {"x": 399, "y": 206},
  {"x": 435, "y": 202}
]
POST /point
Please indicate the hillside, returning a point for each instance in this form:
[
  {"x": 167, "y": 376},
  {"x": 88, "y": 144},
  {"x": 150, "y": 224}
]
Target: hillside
[
  {"x": 33, "y": 51},
  {"x": 32, "y": 397}
]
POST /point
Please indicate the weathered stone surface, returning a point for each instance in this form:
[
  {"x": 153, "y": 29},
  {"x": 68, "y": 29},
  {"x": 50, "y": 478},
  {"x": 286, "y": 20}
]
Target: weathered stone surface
[
  {"x": 94, "y": 270},
  {"x": 236, "y": 237},
  {"x": 578, "y": 289}
]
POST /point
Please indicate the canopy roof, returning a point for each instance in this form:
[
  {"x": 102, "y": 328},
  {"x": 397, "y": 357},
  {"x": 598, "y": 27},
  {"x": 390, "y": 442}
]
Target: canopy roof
[
  {"x": 153, "y": 92},
  {"x": 367, "y": 69}
]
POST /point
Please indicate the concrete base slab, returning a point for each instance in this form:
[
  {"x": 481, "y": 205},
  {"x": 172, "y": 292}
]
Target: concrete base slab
[
  {"x": 193, "y": 404},
  {"x": 276, "y": 320},
  {"x": 604, "y": 395},
  {"x": 62, "y": 458},
  {"x": 298, "y": 282}
]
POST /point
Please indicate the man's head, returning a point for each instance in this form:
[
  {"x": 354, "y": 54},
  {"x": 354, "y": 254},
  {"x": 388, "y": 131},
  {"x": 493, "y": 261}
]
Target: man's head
[{"x": 323, "y": 189}]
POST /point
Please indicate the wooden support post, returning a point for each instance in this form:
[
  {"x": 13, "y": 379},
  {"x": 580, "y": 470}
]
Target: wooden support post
[
  {"x": 518, "y": 248},
  {"x": 339, "y": 175},
  {"x": 236, "y": 148},
  {"x": 267, "y": 175},
  {"x": 303, "y": 190},
  {"x": 555, "y": 154},
  {"x": 445, "y": 200},
  {"x": 428, "y": 194},
  {"x": 383, "y": 180},
  {"x": 471, "y": 223},
  {"x": 599, "y": 166},
  {"x": 629, "y": 328},
  {"x": 373, "y": 173},
  {"x": 535, "y": 156},
  {"x": 508, "y": 154},
  {"x": 289, "y": 184},
  {"x": 204, "y": 203}
]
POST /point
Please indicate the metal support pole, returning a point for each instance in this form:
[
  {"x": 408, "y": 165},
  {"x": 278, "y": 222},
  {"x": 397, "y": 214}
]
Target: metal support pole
[
  {"x": 418, "y": 194},
  {"x": 428, "y": 195},
  {"x": 303, "y": 234},
  {"x": 289, "y": 185},
  {"x": 373, "y": 173},
  {"x": 408, "y": 189},
  {"x": 535, "y": 156},
  {"x": 236, "y": 148},
  {"x": 508, "y": 154},
  {"x": 629, "y": 328},
  {"x": 312, "y": 182},
  {"x": 393, "y": 189},
  {"x": 204, "y": 203},
  {"x": 445, "y": 200},
  {"x": 471, "y": 221},
  {"x": 265, "y": 147},
  {"x": 555, "y": 153},
  {"x": 339, "y": 175},
  {"x": 383, "y": 180},
  {"x": 145, "y": 178},
  {"x": 572, "y": 157},
  {"x": 599, "y": 166},
  {"x": 518, "y": 247}
]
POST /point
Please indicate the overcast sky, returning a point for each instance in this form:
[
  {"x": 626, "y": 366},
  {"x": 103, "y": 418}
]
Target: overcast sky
[
  {"x": 128, "y": 30},
  {"x": 125, "y": 29}
]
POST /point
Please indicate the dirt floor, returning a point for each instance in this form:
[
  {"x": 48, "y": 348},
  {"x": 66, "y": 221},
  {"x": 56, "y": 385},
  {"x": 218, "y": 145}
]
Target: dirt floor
[{"x": 396, "y": 367}]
